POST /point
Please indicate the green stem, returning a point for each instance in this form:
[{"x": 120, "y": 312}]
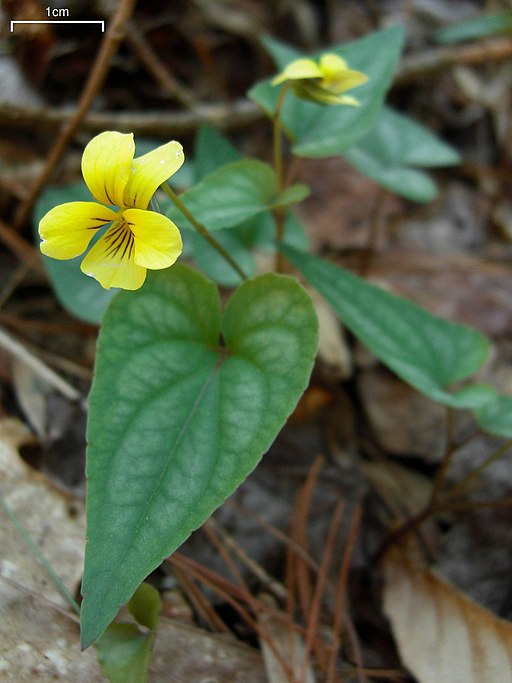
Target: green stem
[
  {"x": 448, "y": 454},
  {"x": 202, "y": 230},
  {"x": 42, "y": 559},
  {"x": 279, "y": 213}
]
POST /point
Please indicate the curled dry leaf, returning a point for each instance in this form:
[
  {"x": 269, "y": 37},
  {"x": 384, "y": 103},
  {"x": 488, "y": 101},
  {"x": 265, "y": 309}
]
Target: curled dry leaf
[{"x": 442, "y": 635}]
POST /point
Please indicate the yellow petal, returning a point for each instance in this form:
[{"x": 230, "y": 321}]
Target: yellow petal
[
  {"x": 349, "y": 100},
  {"x": 106, "y": 166},
  {"x": 67, "y": 229},
  {"x": 346, "y": 81},
  {"x": 157, "y": 240},
  {"x": 150, "y": 171},
  {"x": 111, "y": 260},
  {"x": 331, "y": 64},
  {"x": 298, "y": 70}
]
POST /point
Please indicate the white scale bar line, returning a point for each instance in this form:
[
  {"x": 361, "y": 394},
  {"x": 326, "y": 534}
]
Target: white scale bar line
[{"x": 68, "y": 21}]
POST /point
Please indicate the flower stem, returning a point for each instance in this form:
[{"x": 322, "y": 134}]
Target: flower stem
[
  {"x": 202, "y": 230},
  {"x": 279, "y": 214}
]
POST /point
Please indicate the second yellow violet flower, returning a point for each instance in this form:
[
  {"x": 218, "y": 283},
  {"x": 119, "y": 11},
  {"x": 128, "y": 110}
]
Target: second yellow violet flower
[
  {"x": 137, "y": 239},
  {"x": 323, "y": 82}
]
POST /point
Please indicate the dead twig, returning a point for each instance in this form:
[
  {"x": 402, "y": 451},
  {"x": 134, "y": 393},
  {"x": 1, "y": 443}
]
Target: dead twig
[
  {"x": 13, "y": 347},
  {"x": 160, "y": 123},
  {"x": 438, "y": 58},
  {"x": 163, "y": 77}
]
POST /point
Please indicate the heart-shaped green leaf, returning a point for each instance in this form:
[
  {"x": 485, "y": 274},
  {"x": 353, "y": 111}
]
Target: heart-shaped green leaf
[
  {"x": 230, "y": 195},
  {"x": 394, "y": 150},
  {"x": 426, "y": 351},
  {"x": 184, "y": 402},
  {"x": 323, "y": 131}
]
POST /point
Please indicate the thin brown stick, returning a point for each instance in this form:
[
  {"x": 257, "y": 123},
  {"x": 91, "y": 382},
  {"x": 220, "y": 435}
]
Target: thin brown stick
[
  {"x": 160, "y": 123},
  {"x": 439, "y": 58},
  {"x": 109, "y": 46},
  {"x": 197, "y": 599},
  {"x": 314, "y": 615},
  {"x": 341, "y": 592},
  {"x": 276, "y": 533},
  {"x": 210, "y": 531},
  {"x": 223, "y": 589},
  {"x": 19, "y": 246},
  {"x": 271, "y": 584},
  {"x": 298, "y": 533},
  {"x": 163, "y": 77}
]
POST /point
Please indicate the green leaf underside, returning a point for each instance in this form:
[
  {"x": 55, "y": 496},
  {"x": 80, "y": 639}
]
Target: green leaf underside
[
  {"x": 229, "y": 196},
  {"x": 426, "y": 351},
  {"x": 82, "y": 296},
  {"x": 175, "y": 422},
  {"x": 322, "y": 131},
  {"x": 394, "y": 149},
  {"x": 495, "y": 416}
]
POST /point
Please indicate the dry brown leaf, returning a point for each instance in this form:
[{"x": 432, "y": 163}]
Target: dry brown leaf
[
  {"x": 442, "y": 635},
  {"x": 333, "y": 349}
]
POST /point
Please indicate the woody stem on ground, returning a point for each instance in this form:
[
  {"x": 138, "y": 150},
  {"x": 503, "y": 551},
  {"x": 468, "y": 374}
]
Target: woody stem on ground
[
  {"x": 279, "y": 214},
  {"x": 202, "y": 230}
]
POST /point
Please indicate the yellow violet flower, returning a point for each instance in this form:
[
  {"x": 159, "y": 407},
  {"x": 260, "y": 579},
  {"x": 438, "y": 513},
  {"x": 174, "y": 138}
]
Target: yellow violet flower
[
  {"x": 323, "y": 81},
  {"x": 137, "y": 239}
]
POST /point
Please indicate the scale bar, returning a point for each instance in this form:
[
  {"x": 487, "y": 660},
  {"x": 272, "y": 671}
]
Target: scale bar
[{"x": 68, "y": 21}]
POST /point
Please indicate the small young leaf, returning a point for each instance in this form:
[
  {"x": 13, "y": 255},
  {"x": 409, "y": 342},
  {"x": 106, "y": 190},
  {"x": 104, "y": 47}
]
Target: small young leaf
[
  {"x": 324, "y": 131},
  {"x": 230, "y": 195},
  {"x": 124, "y": 651},
  {"x": 292, "y": 195},
  {"x": 178, "y": 420},
  {"x": 495, "y": 416},
  {"x": 393, "y": 151},
  {"x": 145, "y": 606},
  {"x": 426, "y": 351}
]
